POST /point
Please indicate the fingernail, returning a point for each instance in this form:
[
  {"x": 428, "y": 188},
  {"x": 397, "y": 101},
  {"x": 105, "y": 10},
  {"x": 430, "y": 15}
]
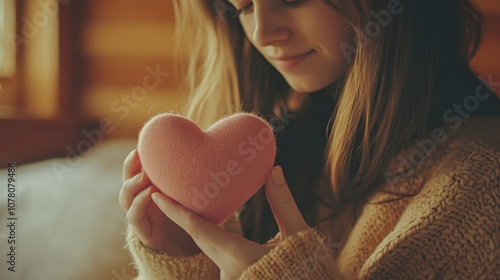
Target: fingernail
[
  {"x": 277, "y": 176},
  {"x": 138, "y": 176},
  {"x": 131, "y": 154},
  {"x": 146, "y": 190},
  {"x": 155, "y": 198}
]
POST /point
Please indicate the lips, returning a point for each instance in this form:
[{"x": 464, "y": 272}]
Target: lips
[
  {"x": 287, "y": 62},
  {"x": 290, "y": 57}
]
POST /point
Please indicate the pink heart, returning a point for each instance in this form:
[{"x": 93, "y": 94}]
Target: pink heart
[{"x": 210, "y": 172}]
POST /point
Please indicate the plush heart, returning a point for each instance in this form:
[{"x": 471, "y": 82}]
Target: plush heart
[{"x": 210, "y": 172}]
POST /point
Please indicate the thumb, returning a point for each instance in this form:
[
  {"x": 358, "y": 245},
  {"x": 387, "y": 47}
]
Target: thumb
[{"x": 285, "y": 210}]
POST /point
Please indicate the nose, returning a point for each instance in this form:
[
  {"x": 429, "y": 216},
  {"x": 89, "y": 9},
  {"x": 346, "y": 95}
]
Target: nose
[{"x": 270, "y": 26}]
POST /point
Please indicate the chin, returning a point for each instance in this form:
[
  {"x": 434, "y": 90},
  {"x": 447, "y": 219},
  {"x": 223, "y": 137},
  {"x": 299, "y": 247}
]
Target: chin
[{"x": 309, "y": 87}]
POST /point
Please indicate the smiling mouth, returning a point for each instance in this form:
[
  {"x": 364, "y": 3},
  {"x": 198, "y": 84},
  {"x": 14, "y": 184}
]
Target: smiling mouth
[
  {"x": 290, "y": 57},
  {"x": 289, "y": 62}
]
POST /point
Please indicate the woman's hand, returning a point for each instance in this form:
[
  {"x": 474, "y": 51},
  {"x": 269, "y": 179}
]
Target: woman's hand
[
  {"x": 154, "y": 229},
  {"x": 231, "y": 252}
]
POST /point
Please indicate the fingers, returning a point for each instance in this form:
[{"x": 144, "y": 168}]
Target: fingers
[
  {"x": 186, "y": 219},
  {"x": 131, "y": 188},
  {"x": 213, "y": 240},
  {"x": 285, "y": 210},
  {"x": 131, "y": 165},
  {"x": 136, "y": 215}
]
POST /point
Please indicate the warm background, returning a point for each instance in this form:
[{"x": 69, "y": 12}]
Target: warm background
[{"x": 87, "y": 62}]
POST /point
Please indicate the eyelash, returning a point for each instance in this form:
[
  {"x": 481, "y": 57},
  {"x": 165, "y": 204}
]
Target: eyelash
[{"x": 289, "y": 5}]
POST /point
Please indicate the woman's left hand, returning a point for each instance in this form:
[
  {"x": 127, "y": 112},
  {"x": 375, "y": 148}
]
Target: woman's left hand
[{"x": 233, "y": 253}]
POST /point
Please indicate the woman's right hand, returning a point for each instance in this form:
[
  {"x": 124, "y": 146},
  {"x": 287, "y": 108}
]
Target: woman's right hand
[{"x": 153, "y": 228}]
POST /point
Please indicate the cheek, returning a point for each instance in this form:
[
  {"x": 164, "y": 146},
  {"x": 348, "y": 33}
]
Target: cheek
[
  {"x": 248, "y": 28},
  {"x": 332, "y": 46},
  {"x": 336, "y": 51},
  {"x": 331, "y": 35}
]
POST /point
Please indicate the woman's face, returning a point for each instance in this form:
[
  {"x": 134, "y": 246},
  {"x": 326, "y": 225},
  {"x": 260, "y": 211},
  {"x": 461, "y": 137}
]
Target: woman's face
[{"x": 300, "y": 38}]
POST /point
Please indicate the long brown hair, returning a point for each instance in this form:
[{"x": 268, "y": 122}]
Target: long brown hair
[{"x": 395, "y": 90}]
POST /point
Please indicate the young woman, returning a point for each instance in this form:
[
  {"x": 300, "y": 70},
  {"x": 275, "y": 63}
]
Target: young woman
[{"x": 388, "y": 144}]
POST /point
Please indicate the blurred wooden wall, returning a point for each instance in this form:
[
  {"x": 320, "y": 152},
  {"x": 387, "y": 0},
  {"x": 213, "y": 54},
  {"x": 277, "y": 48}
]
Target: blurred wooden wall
[{"x": 123, "y": 42}]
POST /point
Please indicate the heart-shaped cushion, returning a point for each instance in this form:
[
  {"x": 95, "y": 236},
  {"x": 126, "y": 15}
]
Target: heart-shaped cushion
[{"x": 212, "y": 172}]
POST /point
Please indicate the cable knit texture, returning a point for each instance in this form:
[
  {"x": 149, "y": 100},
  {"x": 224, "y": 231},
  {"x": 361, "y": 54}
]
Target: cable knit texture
[{"x": 449, "y": 228}]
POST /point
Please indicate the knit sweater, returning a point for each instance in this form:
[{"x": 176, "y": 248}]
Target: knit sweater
[{"x": 448, "y": 228}]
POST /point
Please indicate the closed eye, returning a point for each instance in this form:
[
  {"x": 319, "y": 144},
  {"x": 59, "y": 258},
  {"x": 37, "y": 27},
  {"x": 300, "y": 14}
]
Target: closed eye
[{"x": 248, "y": 8}]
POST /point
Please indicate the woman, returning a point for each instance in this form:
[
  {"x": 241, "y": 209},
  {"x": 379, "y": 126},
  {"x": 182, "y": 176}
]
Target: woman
[{"x": 388, "y": 144}]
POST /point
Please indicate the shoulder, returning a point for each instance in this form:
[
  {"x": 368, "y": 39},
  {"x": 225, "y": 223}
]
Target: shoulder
[
  {"x": 463, "y": 169},
  {"x": 461, "y": 182},
  {"x": 468, "y": 154},
  {"x": 468, "y": 151},
  {"x": 473, "y": 132},
  {"x": 447, "y": 226},
  {"x": 463, "y": 173}
]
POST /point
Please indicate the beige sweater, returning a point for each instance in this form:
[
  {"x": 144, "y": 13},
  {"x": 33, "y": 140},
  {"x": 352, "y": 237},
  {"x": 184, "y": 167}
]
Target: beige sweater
[{"x": 449, "y": 230}]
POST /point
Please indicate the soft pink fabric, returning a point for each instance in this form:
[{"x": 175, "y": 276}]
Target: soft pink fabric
[{"x": 210, "y": 172}]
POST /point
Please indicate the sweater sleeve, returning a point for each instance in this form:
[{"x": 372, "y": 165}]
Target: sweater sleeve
[
  {"x": 301, "y": 256},
  {"x": 158, "y": 265}
]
